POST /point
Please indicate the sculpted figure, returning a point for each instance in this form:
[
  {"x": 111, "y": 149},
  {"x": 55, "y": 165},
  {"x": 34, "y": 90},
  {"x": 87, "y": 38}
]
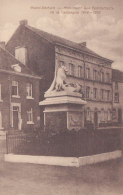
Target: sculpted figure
[{"x": 58, "y": 83}]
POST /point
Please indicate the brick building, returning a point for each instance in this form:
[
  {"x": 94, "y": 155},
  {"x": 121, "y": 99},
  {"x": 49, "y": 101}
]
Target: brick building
[
  {"x": 117, "y": 83},
  {"x": 44, "y": 52},
  {"x": 19, "y": 93}
]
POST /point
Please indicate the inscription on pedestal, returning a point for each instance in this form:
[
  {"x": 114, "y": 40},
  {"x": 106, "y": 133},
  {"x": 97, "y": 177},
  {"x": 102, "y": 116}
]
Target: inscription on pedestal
[{"x": 75, "y": 120}]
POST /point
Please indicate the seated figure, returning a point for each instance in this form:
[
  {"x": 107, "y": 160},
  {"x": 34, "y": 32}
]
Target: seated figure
[{"x": 59, "y": 82}]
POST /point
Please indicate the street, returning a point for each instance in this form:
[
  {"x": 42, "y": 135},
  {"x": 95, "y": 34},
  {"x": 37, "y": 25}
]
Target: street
[{"x": 23, "y": 179}]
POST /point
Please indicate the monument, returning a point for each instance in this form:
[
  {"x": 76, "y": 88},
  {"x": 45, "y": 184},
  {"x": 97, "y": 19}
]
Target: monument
[{"x": 63, "y": 104}]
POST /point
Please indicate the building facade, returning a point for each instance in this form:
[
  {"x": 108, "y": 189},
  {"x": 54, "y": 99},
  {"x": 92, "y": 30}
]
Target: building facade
[
  {"x": 95, "y": 77},
  {"x": 44, "y": 53},
  {"x": 117, "y": 83},
  {"x": 19, "y": 94}
]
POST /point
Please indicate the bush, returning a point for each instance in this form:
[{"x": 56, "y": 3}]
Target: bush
[{"x": 72, "y": 143}]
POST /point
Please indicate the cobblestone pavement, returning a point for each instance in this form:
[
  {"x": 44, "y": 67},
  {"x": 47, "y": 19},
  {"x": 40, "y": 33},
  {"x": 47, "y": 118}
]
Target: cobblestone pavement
[{"x": 29, "y": 179}]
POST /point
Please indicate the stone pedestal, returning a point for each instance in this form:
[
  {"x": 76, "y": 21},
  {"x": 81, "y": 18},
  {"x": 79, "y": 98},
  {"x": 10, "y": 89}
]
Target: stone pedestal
[{"x": 63, "y": 110}]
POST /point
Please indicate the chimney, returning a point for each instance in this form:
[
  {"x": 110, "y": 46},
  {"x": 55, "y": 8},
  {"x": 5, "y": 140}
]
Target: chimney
[
  {"x": 83, "y": 44},
  {"x": 2, "y": 44},
  {"x": 23, "y": 22}
]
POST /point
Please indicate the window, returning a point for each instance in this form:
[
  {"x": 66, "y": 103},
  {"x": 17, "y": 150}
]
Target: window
[
  {"x": 102, "y": 76},
  {"x": 116, "y": 97},
  {"x": 21, "y": 54},
  {"x": 87, "y": 92},
  {"x": 102, "y": 94},
  {"x": 108, "y": 115},
  {"x": 61, "y": 63},
  {"x": 88, "y": 73},
  {"x": 1, "y": 120},
  {"x": 80, "y": 71},
  {"x": 116, "y": 85},
  {"x": 95, "y": 75},
  {"x": 29, "y": 90},
  {"x": 88, "y": 114},
  {"x": 30, "y": 116},
  {"x": 71, "y": 69},
  {"x": 102, "y": 118},
  {"x": 95, "y": 93},
  {"x": 14, "y": 88},
  {"x": 108, "y": 95},
  {"x": 108, "y": 77}
]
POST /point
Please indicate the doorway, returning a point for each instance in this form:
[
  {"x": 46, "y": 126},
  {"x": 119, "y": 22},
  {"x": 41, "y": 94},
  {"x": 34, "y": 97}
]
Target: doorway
[
  {"x": 16, "y": 116},
  {"x": 119, "y": 115},
  {"x": 96, "y": 118}
]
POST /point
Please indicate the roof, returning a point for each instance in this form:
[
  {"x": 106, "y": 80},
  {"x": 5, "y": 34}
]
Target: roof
[
  {"x": 7, "y": 60},
  {"x": 117, "y": 75},
  {"x": 59, "y": 40}
]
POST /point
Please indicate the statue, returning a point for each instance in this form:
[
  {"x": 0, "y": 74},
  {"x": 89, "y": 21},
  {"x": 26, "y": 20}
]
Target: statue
[{"x": 59, "y": 82}]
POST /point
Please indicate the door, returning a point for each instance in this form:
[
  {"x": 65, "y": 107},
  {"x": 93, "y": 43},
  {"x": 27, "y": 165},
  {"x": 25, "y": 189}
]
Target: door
[
  {"x": 96, "y": 118},
  {"x": 15, "y": 117},
  {"x": 119, "y": 115}
]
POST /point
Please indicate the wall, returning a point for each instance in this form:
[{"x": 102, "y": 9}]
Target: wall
[
  {"x": 68, "y": 56},
  {"x": 40, "y": 54},
  {"x": 7, "y": 100}
]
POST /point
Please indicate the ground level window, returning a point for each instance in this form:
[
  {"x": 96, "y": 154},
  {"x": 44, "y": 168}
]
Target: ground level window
[
  {"x": 102, "y": 115},
  {"x": 88, "y": 114},
  {"x": 108, "y": 115}
]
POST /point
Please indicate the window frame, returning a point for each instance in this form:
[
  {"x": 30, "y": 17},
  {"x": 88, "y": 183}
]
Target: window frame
[
  {"x": 102, "y": 77},
  {"x": 80, "y": 74},
  {"x": 116, "y": 98},
  {"x": 95, "y": 93},
  {"x": 71, "y": 69},
  {"x": 30, "y": 116},
  {"x": 88, "y": 114},
  {"x": 87, "y": 73},
  {"x": 116, "y": 85},
  {"x": 108, "y": 77},
  {"x": 102, "y": 94},
  {"x": 108, "y": 95},
  {"x": 95, "y": 75},
  {"x": 17, "y": 89},
  {"x": 29, "y": 88},
  {"x": 102, "y": 115},
  {"x": 87, "y": 92}
]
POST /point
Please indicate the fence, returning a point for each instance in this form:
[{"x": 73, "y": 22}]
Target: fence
[
  {"x": 67, "y": 143},
  {"x": 16, "y": 143}
]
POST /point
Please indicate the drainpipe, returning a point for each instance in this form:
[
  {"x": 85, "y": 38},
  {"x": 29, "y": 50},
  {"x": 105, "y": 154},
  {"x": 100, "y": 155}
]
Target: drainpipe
[
  {"x": 84, "y": 77},
  {"x": 84, "y": 84},
  {"x": 9, "y": 80}
]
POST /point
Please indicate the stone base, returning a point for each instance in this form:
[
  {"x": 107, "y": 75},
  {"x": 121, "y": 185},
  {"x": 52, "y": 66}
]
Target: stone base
[{"x": 64, "y": 161}]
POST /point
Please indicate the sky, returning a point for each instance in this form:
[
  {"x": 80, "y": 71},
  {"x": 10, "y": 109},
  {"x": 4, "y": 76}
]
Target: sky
[{"x": 99, "y": 23}]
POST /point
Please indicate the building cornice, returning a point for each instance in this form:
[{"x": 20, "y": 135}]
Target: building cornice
[
  {"x": 20, "y": 74},
  {"x": 82, "y": 60},
  {"x": 83, "y": 52}
]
